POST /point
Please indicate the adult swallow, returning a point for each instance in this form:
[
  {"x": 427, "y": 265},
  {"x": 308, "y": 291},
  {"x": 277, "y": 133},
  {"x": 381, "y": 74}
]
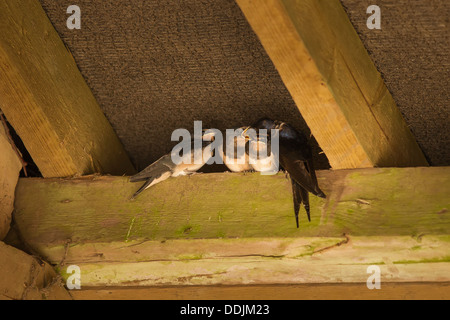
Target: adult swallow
[
  {"x": 295, "y": 157},
  {"x": 164, "y": 167}
]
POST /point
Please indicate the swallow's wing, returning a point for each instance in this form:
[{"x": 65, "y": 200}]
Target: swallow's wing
[
  {"x": 297, "y": 196},
  {"x": 299, "y": 167},
  {"x": 155, "y": 170},
  {"x": 158, "y": 171},
  {"x": 152, "y": 181},
  {"x": 142, "y": 188},
  {"x": 296, "y": 169},
  {"x": 312, "y": 171},
  {"x": 300, "y": 195},
  {"x": 305, "y": 197}
]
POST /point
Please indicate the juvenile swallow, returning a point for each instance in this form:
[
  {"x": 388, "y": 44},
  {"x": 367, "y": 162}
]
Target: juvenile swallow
[
  {"x": 164, "y": 167},
  {"x": 233, "y": 152},
  {"x": 295, "y": 157},
  {"x": 259, "y": 151}
]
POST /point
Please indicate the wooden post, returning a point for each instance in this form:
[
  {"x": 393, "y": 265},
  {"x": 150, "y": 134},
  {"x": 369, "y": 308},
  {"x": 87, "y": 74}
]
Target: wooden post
[
  {"x": 47, "y": 101},
  {"x": 335, "y": 85}
]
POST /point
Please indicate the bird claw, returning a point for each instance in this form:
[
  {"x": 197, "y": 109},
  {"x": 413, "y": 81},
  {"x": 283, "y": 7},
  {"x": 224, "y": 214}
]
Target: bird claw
[{"x": 193, "y": 173}]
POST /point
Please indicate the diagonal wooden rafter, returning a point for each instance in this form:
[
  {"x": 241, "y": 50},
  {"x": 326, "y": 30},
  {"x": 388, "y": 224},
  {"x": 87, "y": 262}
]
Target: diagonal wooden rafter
[
  {"x": 334, "y": 83},
  {"x": 47, "y": 101}
]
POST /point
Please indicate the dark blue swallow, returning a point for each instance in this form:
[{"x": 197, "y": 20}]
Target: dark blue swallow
[{"x": 295, "y": 157}]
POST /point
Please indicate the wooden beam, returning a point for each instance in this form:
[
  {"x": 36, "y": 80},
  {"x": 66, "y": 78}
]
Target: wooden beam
[
  {"x": 262, "y": 261},
  {"x": 10, "y": 167},
  {"x": 334, "y": 291},
  {"x": 47, "y": 101},
  {"x": 24, "y": 277},
  {"x": 335, "y": 85},
  {"x": 234, "y": 229},
  {"x": 382, "y": 201}
]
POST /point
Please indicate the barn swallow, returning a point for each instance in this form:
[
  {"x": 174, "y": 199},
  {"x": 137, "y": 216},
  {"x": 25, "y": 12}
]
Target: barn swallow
[
  {"x": 164, "y": 167},
  {"x": 259, "y": 152},
  {"x": 233, "y": 151},
  {"x": 295, "y": 157}
]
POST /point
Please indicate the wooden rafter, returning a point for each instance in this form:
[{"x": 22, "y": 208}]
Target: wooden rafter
[
  {"x": 47, "y": 101},
  {"x": 335, "y": 85}
]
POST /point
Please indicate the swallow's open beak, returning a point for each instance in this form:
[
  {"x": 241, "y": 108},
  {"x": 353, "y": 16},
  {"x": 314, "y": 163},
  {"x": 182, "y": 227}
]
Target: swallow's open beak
[{"x": 245, "y": 135}]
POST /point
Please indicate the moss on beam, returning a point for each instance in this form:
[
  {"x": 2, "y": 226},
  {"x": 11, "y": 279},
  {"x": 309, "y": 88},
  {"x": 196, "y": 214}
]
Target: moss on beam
[
  {"x": 362, "y": 202},
  {"x": 254, "y": 261},
  {"x": 234, "y": 229}
]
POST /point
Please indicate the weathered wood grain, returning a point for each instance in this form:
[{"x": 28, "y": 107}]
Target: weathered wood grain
[
  {"x": 24, "y": 277},
  {"x": 334, "y": 291},
  {"x": 10, "y": 166},
  {"x": 233, "y": 229},
  {"x": 335, "y": 85},
  {"x": 47, "y": 101},
  {"x": 387, "y": 201},
  {"x": 256, "y": 261}
]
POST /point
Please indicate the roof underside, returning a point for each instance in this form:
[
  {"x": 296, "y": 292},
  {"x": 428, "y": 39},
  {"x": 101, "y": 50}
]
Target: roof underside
[{"x": 156, "y": 66}]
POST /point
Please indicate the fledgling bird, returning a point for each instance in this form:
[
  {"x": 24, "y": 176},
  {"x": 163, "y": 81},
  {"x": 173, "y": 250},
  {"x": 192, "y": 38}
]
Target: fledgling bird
[
  {"x": 295, "y": 157},
  {"x": 259, "y": 152},
  {"x": 164, "y": 167},
  {"x": 236, "y": 161}
]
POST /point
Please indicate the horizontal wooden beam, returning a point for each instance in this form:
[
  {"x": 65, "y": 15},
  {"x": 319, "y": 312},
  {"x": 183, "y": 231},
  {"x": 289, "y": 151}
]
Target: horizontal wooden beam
[
  {"x": 381, "y": 201},
  {"x": 47, "y": 101},
  {"x": 334, "y": 291},
  {"x": 234, "y": 229},
  {"x": 254, "y": 261},
  {"x": 334, "y": 83}
]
